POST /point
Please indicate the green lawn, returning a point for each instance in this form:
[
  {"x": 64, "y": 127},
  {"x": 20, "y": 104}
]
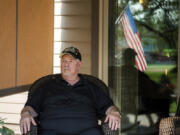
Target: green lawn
[
  {"x": 155, "y": 75},
  {"x": 156, "y": 71}
]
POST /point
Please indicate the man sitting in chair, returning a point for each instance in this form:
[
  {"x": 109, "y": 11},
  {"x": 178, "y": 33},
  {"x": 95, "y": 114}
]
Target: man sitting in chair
[{"x": 69, "y": 104}]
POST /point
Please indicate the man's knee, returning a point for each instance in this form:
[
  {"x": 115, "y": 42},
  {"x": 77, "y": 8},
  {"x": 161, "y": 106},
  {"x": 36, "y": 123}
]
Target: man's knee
[{"x": 92, "y": 131}]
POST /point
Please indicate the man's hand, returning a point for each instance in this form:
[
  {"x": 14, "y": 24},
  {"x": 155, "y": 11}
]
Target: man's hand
[
  {"x": 113, "y": 117},
  {"x": 26, "y": 120}
]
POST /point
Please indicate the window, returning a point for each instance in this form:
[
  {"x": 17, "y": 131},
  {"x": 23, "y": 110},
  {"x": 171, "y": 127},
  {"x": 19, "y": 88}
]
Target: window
[
  {"x": 57, "y": 36},
  {"x": 145, "y": 96}
]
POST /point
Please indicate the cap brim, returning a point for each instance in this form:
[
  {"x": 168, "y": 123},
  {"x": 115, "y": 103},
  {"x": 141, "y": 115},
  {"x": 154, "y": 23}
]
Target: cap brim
[{"x": 62, "y": 54}]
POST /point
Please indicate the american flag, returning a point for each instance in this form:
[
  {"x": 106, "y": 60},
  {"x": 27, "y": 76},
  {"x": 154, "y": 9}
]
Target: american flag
[{"x": 133, "y": 39}]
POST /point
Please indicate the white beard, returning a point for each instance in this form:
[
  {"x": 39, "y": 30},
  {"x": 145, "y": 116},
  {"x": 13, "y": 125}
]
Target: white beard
[{"x": 66, "y": 72}]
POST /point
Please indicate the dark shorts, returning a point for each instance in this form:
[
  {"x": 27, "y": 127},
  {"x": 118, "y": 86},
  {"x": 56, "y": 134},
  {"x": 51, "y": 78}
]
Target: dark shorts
[
  {"x": 69, "y": 126},
  {"x": 91, "y": 131}
]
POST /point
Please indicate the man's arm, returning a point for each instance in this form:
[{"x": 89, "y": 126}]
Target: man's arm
[
  {"x": 27, "y": 115},
  {"x": 113, "y": 116},
  {"x": 30, "y": 110}
]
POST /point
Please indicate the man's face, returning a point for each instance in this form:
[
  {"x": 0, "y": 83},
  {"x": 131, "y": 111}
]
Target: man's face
[{"x": 69, "y": 65}]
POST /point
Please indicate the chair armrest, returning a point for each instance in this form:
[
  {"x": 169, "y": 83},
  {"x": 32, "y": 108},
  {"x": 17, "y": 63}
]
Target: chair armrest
[
  {"x": 33, "y": 130},
  {"x": 169, "y": 125},
  {"x": 107, "y": 130}
]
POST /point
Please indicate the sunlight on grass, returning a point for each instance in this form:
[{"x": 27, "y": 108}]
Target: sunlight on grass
[{"x": 156, "y": 71}]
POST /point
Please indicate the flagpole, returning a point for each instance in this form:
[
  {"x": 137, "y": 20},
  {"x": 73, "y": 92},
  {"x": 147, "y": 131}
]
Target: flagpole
[{"x": 119, "y": 17}]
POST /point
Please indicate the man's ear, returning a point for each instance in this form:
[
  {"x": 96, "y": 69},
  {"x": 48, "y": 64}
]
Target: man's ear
[{"x": 80, "y": 63}]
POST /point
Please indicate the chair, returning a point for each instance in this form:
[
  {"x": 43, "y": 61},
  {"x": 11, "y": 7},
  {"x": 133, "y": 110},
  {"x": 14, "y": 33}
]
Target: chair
[
  {"x": 96, "y": 81},
  {"x": 170, "y": 125}
]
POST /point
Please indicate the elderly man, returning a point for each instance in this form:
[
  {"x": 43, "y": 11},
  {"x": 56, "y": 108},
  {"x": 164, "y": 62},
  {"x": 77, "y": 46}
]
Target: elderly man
[{"x": 69, "y": 104}]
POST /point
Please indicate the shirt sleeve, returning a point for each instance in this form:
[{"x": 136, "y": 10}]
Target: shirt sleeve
[
  {"x": 35, "y": 96},
  {"x": 102, "y": 101}
]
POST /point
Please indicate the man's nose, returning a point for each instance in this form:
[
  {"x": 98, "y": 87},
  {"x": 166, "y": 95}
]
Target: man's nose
[{"x": 66, "y": 63}]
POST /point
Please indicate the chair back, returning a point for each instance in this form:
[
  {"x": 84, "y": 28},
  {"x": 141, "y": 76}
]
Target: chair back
[{"x": 99, "y": 83}]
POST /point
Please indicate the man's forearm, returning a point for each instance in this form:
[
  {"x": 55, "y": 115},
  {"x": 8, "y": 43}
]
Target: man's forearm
[
  {"x": 113, "y": 116},
  {"x": 112, "y": 109},
  {"x": 30, "y": 110}
]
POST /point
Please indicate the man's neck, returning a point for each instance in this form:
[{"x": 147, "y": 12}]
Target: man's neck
[{"x": 71, "y": 79}]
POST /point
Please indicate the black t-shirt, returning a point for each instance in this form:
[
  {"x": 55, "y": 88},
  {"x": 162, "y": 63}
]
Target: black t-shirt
[{"x": 62, "y": 107}]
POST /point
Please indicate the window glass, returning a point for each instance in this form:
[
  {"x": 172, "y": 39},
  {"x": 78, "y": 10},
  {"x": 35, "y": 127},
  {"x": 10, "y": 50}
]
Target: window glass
[{"x": 144, "y": 97}]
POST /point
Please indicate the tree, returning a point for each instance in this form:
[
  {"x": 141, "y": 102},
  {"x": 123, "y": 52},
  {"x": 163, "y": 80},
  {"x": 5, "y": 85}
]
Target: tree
[{"x": 156, "y": 21}]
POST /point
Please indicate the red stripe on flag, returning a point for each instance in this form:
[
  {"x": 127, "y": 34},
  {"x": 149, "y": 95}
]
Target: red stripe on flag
[
  {"x": 137, "y": 44},
  {"x": 134, "y": 42},
  {"x": 129, "y": 42}
]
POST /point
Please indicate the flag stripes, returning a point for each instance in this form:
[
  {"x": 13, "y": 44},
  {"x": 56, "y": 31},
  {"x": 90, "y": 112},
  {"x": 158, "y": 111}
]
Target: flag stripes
[{"x": 133, "y": 41}]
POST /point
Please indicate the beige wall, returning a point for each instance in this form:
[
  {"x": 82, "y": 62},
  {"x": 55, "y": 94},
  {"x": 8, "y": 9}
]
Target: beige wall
[
  {"x": 33, "y": 47},
  {"x": 76, "y": 29},
  {"x": 35, "y": 39},
  {"x": 103, "y": 40},
  {"x": 7, "y": 43},
  {"x": 32, "y": 39}
]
